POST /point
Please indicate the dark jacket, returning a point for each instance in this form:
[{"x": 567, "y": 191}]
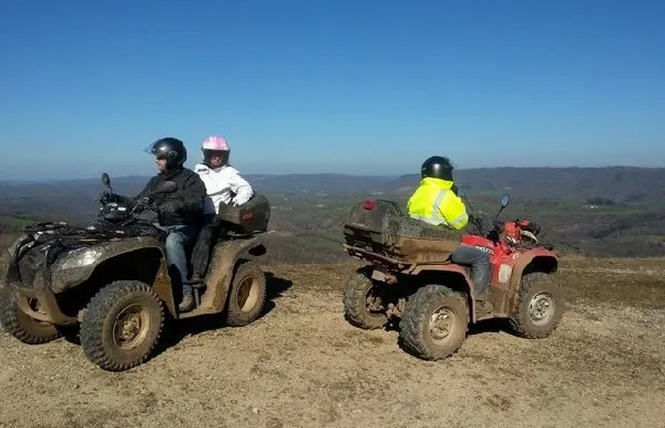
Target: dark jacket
[{"x": 191, "y": 192}]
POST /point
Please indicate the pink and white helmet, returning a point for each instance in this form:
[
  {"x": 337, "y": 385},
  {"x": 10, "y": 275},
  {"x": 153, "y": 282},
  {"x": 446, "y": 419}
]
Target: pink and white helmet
[
  {"x": 215, "y": 142},
  {"x": 215, "y": 151}
]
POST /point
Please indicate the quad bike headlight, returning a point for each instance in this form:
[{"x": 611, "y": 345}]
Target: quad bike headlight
[{"x": 81, "y": 257}]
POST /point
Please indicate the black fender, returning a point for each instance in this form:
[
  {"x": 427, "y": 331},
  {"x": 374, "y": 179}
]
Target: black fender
[
  {"x": 226, "y": 256},
  {"x": 137, "y": 258},
  {"x": 62, "y": 280}
]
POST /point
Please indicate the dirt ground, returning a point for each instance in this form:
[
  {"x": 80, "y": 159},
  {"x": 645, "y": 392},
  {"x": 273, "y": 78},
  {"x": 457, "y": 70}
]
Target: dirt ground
[{"x": 302, "y": 364}]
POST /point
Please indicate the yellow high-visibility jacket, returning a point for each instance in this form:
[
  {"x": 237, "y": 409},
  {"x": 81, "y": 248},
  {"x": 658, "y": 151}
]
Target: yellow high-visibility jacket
[{"x": 434, "y": 202}]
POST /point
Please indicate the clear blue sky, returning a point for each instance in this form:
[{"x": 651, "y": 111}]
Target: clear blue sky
[{"x": 363, "y": 87}]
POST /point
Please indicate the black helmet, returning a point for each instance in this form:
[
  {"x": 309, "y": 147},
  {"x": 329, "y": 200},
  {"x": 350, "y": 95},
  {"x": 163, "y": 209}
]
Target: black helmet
[
  {"x": 171, "y": 149},
  {"x": 437, "y": 167}
]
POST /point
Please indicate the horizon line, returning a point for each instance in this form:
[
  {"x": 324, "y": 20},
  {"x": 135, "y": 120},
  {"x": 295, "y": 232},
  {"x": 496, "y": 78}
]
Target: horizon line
[{"x": 89, "y": 178}]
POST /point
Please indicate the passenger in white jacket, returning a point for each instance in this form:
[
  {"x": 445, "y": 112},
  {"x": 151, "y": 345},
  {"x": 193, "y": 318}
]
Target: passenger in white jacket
[
  {"x": 223, "y": 185},
  {"x": 223, "y": 182}
]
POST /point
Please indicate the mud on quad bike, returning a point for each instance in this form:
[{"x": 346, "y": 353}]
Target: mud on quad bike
[
  {"x": 410, "y": 279},
  {"x": 111, "y": 281}
]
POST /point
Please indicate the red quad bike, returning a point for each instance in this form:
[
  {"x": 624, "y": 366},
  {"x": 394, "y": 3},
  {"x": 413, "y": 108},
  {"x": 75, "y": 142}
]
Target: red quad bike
[{"x": 409, "y": 277}]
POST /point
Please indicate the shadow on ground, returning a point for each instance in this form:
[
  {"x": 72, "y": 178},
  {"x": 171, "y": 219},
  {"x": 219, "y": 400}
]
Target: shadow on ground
[{"x": 176, "y": 330}]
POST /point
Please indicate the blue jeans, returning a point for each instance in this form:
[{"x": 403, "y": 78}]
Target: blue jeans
[
  {"x": 480, "y": 268},
  {"x": 179, "y": 241}
]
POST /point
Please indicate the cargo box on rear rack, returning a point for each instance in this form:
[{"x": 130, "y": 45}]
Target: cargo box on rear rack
[
  {"x": 251, "y": 217},
  {"x": 380, "y": 227}
]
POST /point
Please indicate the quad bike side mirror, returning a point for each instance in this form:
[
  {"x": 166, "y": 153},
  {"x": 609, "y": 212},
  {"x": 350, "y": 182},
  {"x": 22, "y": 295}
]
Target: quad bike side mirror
[
  {"x": 106, "y": 181},
  {"x": 505, "y": 200}
]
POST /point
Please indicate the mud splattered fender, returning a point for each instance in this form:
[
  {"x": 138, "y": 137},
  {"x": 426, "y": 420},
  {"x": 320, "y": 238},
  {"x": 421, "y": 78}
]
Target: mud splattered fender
[{"x": 223, "y": 262}]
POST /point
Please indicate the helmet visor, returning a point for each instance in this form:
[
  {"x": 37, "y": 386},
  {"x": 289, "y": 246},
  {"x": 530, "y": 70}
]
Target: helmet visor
[
  {"x": 159, "y": 151},
  {"x": 215, "y": 157}
]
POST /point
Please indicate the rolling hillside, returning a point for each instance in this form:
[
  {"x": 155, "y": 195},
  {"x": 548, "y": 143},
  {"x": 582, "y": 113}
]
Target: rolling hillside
[{"x": 614, "y": 211}]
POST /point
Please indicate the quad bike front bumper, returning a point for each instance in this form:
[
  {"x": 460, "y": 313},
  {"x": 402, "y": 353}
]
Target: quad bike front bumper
[
  {"x": 36, "y": 299},
  {"x": 29, "y": 280},
  {"x": 42, "y": 306}
]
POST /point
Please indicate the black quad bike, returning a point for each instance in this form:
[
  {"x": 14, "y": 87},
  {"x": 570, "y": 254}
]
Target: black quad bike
[{"x": 111, "y": 281}]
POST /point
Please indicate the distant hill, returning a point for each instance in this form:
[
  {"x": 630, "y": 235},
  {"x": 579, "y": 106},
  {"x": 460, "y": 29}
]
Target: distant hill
[
  {"x": 618, "y": 184},
  {"x": 330, "y": 184},
  {"x": 73, "y": 199},
  {"x": 614, "y": 211}
]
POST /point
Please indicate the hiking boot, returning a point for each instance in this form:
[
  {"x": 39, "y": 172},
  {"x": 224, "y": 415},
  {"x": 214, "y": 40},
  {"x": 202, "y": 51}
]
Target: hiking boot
[
  {"x": 484, "y": 307},
  {"x": 186, "y": 305}
]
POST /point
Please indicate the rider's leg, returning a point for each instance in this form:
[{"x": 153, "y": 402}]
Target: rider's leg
[
  {"x": 178, "y": 240},
  {"x": 480, "y": 268},
  {"x": 203, "y": 248},
  {"x": 201, "y": 253}
]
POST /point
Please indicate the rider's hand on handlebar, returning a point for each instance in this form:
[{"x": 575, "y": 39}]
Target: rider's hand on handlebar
[
  {"x": 475, "y": 217},
  {"x": 106, "y": 198},
  {"x": 477, "y": 221},
  {"x": 533, "y": 227},
  {"x": 499, "y": 226},
  {"x": 171, "y": 207},
  {"x": 145, "y": 200}
]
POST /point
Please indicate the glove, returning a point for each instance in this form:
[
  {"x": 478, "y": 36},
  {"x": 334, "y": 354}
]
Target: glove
[
  {"x": 107, "y": 197},
  {"x": 171, "y": 207},
  {"x": 499, "y": 226},
  {"x": 475, "y": 218},
  {"x": 533, "y": 228},
  {"x": 145, "y": 200},
  {"x": 477, "y": 221}
]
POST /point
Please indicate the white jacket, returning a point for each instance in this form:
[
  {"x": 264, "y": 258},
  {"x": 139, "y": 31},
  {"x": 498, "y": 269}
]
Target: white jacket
[{"x": 223, "y": 185}]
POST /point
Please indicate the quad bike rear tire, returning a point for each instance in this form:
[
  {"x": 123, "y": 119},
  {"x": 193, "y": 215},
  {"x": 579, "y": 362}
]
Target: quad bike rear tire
[
  {"x": 21, "y": 325},
  {"x": 538, "y": 307},
  {"x": 247, "y": 296},
  {"x": 434, "y": 323},
  {"x": 358, "y": 290},
  {"x": 121, "y": 325}
]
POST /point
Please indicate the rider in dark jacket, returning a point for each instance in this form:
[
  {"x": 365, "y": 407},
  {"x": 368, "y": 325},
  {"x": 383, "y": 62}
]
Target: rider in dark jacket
[
  {"x": 184, "y": 205},
  {"x": 180, "y": 213}
]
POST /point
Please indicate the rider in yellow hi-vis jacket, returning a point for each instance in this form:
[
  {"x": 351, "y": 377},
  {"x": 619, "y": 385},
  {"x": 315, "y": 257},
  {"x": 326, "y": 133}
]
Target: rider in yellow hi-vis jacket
[{"x": 436, "y": 202}]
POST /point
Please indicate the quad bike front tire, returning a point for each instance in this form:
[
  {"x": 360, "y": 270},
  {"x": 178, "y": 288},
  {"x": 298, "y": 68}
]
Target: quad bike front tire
[
  {"x": 434, "y": 323},
  {"x": 538, "y": 307},
  {"x": 359, "y": 294},
  {"x": 247, "y": 296},
  {"x": 21, "y": 325},
  {"x": 121, "y": 325}
]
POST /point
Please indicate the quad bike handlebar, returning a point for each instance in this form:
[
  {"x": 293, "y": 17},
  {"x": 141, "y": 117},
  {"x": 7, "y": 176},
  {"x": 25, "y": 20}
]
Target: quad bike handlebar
[
  {"x": 120, "y": 208},
  {"x": 518, "y": 232}
]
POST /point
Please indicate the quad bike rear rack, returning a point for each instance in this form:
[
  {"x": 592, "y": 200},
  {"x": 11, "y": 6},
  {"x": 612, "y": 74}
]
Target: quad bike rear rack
[{"x": 375, "y": 258}]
